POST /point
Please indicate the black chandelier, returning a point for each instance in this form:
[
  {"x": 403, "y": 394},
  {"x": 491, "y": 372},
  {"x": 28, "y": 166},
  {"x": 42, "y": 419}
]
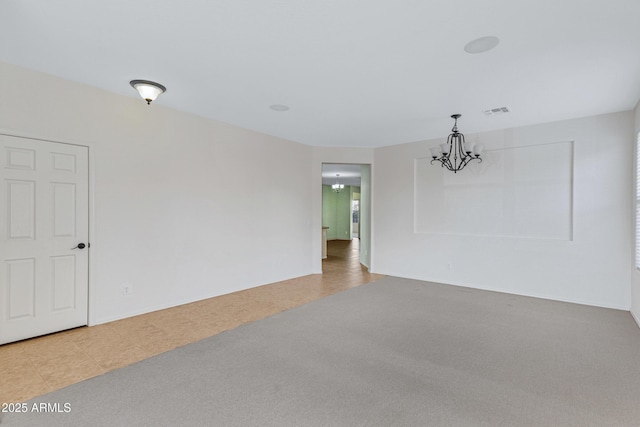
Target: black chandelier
[{"x": 455, "y": 154}]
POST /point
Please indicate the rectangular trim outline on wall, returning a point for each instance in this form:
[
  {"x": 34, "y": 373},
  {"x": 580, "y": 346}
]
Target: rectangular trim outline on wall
[{"x": 489, "y": 195}]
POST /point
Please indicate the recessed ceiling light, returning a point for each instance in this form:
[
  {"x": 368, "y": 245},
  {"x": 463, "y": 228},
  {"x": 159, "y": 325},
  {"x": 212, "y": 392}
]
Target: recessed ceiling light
[
  {"x": 279, "y": 107},
  {"x": 483, "y": 44}
]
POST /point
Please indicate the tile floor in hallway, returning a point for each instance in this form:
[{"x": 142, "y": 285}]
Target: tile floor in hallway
[{"x": 36, "y": 366}]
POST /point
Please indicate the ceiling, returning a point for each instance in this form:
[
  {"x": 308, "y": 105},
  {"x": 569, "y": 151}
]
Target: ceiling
[
  {"x": 355, "y": 73},
  {"x": 349, "y": 174}
]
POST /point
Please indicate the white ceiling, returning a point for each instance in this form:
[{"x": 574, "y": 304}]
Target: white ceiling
[
  {"x": 357, "y": 73},
  {"x": 349, "y": 174}
]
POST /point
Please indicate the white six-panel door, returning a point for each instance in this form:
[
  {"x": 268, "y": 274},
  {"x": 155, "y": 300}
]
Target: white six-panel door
[{"x": 44, "y": 215}]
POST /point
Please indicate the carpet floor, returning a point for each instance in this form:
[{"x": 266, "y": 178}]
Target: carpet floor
[{"x": 395, "y": 352}]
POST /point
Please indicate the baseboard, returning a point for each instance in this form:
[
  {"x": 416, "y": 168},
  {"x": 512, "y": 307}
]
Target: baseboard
[
  {"x": 149, "y": 309},
  {"x": 636, "y": 317},
  {"x": 510, "y": 291}
]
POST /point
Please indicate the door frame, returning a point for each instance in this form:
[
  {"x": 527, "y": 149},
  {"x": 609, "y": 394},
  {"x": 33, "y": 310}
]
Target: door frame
[
  {"x": 91, "y": 187},
  {"x": 338, "y": 156}
]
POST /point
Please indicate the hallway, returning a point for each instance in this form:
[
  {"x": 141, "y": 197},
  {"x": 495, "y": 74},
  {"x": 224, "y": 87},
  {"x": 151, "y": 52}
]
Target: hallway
[{"x": 34, "y": 367}]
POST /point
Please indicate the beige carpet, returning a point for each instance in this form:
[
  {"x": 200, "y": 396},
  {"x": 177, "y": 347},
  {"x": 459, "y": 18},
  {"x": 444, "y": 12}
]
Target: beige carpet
[{"x": 395, "y": 352}]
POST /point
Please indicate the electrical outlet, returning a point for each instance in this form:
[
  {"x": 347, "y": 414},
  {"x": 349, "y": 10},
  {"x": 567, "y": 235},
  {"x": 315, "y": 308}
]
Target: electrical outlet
[{"x": 127, "y": 288}]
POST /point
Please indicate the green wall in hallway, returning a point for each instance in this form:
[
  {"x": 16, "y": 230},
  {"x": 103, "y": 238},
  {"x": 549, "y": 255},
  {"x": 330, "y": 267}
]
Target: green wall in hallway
[{"x": 336, "y": 211}]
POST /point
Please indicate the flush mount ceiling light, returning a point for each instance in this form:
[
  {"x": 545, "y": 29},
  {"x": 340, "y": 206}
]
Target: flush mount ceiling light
[
  {"x": 455, "y": 154},
  {"x": 483, "y": 44},
  {"x": 337, "y": 187},
  {"x": 148, "y": 90},
  {"x": 279, "y": 107}
]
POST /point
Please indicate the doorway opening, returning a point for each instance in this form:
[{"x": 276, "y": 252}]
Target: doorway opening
[{"x": 346, "y": 209}]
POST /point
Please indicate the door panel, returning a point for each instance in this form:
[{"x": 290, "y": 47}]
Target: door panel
[
  {"x": 21, "y": 204},
  {"x": 43, "y": 215},
  {"x": 21, "y": 281},
  {"x": 63, "y": 282}
]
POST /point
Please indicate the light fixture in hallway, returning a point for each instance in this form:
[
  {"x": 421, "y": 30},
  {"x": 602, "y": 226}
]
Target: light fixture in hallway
[
  {"x": 337, "y": 187},
  {"x": 148, "y": 90},
  {"x": 455, "y": 154}
]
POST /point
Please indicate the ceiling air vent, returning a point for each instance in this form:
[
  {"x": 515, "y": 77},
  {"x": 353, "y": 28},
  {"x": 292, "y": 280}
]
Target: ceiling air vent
[{"x": 496, "y": 111}]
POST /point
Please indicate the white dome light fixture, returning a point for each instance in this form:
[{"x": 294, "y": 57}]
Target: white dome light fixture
[{"x": 148, "y": 90}]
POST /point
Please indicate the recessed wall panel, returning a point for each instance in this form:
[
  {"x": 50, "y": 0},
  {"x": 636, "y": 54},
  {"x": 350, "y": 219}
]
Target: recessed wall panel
[
  {"x": 21, "y": 209},
  {"x": 63, "y": 162},
  {"x": 63, "y": 203},
  {"x": 20, "y": 158},
  {"x": 20, "y": 288},
  {"x": 515, "y": 192},
  {"x": 63, "y": 270}
]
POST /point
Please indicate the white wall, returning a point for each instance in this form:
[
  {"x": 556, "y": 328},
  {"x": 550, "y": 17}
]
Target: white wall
[
  {"x": 635, "y": 285},
  {"x": 593, "y": 268},
  {"x": 168, "y": 219},
  {"x": 184, "y": 207}
]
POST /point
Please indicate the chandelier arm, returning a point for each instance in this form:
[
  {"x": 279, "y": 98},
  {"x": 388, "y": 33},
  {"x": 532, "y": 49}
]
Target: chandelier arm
[
  {"x": 461, "y": 143},
  {"x": 442, "y": 161},
  {"x": 447, "y": 164},
  {"x": 468, "y": 160}
]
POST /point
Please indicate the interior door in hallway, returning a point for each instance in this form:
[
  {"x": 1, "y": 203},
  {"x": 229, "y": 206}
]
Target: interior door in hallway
[{"x": 44, "y": 230}]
